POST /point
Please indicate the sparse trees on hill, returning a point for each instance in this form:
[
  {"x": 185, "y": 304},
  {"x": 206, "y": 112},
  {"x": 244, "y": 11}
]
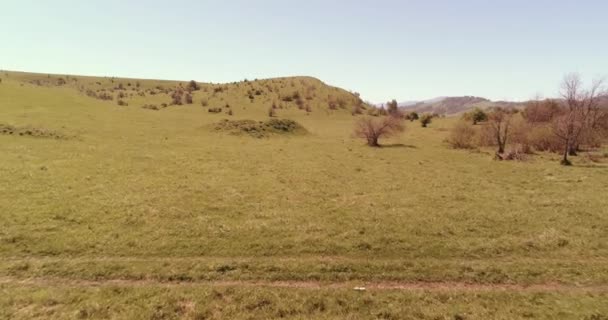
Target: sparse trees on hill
[{"x": 372, "y": 129}]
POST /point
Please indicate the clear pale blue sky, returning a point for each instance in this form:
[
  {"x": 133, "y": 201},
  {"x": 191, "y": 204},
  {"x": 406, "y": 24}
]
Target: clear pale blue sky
[{"x": 502, "y": 49}]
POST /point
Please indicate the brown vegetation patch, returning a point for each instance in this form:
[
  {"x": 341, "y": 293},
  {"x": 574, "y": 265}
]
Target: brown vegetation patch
[
  {"x": 260, "y": 129},
  {"x": 30, "y": 131}
]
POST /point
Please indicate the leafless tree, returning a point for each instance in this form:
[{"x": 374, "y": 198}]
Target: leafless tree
[
  {"x": 581, "y": 114},
  {"x": 499, "y": 121},
  {"x": 372, "y": 129}
]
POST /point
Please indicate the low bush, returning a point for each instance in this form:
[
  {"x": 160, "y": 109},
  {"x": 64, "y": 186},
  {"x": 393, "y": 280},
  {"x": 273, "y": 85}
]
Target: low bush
[
  {"x": 426, "y": 119},
  {"x": 462, "y": 136},
  {"x": 30, "y": 132},
  {"x": 260, "y": 129},
  {"x": 150, "y": 107}
]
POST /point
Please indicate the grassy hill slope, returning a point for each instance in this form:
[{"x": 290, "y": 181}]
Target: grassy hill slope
[
  {"x": 131, "y": 213},
  {"x": 305, "y": 94}
]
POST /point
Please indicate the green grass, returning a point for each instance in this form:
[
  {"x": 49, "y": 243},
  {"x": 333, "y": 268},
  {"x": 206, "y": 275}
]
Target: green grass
[{"x": 135, "y": 194}]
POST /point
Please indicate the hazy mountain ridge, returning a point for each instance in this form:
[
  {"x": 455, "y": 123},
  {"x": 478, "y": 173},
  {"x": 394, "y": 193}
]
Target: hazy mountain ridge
[{"x": 455, "y": 105}]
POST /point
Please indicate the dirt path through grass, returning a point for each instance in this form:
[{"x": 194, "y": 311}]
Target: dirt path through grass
[{"x": 361, "y": 286}]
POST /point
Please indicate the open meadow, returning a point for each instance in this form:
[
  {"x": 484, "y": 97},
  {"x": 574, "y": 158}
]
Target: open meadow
[{"x": 146, "y": 211}]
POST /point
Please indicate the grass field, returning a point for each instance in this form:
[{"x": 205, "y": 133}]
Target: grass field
[{"x": 131, "y": 213}]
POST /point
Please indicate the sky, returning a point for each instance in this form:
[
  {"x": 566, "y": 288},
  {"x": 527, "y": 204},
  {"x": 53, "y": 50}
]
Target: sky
[{"x": 404, "y": 50}]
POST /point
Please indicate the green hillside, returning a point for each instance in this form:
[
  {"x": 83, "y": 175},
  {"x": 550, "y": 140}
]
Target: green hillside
[
  {"x": 124, "y": 212},
  {"x": 250, "y": 97}
]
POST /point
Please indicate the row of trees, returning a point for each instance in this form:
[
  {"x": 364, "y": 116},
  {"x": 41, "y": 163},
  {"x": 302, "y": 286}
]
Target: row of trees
[{"x": 579, "y": 119}]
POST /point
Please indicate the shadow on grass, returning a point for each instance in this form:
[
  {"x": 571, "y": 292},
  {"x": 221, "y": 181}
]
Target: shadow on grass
[{"x": 398, "y": 145}]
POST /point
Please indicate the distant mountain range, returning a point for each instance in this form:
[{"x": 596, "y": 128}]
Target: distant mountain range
[{"x": 453, "y": 105}]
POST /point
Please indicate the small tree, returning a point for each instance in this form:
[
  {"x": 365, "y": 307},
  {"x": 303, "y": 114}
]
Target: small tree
[
  {"x": 426, "y": 119},
  {"x": 476, "y": 116},
  {"x": 499, "y": 122},
  {"x": 372, "y": 129}
]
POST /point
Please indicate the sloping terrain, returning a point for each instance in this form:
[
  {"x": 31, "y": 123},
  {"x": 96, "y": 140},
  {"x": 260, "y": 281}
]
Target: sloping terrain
[
  {"x": 150, "y": 214},
  {"x": 305, "y": 94}
]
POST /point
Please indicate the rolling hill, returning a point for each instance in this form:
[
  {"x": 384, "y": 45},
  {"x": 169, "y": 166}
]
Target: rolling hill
[{"x": 305, "y": 94}]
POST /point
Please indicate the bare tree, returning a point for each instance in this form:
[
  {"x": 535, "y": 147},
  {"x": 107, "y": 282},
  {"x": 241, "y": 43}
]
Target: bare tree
[
  {"x": 581, "y": 114},
  {"x": 372, "y": 129},
  {"x": 499, "y": 121}
]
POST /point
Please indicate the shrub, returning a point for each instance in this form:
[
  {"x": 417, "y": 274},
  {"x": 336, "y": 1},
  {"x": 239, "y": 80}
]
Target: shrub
[
  {"x": 372, "y": 129},
  {"x": 122, "y": 103},
  {"x": 215, "y": 110},
  {"x": 426, "y": 119},
  {"x": 260, "y": 129},
  {"x": 333, "y": 105},
  {"x": 412, "y": 116},
  {"x": 176, "y": 97},
  {"x": 542, "y": 138},
  {"x": 150, "y": 107},
  {"x": 519, "y": 134},
  {"x": 541, "y": 111},
  {"x": 475, "y": 116},
  {"x": 462, "y": 136},
  {"x": 204, "y": 103},
  {"x": 193, "y": 86},
  {"x": 91, "y": 93}
]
